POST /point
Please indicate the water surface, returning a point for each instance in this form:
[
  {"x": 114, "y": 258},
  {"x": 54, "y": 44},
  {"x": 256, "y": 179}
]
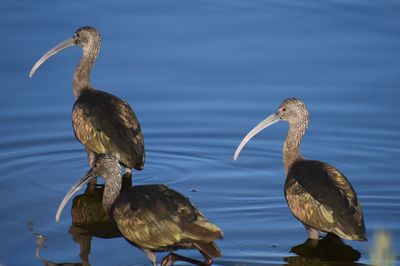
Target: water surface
[{"x": 199, "y": 75}]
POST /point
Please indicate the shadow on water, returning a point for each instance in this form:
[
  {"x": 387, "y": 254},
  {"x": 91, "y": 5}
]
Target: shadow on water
[
  {"x": 330, "y": 250},
  {"x": 88, "y": 220}
]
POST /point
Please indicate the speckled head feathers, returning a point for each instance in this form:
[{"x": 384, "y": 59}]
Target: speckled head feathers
[
  {"x": 86, "y": 35},
  {"x": 105, "y": 164},
  {"x": 294, "y": 110}
]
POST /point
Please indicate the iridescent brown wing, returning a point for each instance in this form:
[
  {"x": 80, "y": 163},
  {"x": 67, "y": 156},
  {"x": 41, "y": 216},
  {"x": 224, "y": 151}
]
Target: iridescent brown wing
[
  {"x": 322, "y": 198},
  {"x": 155, "y": 217},
  {"x": 106, "y": 124}
]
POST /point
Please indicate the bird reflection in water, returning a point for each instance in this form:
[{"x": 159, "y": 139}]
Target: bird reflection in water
[
  {"x": 153, "y": 218},
  {"x": 88, "y": 220},
  {"x": 88, "y": 214},
  {"x": 41, "y": 244},
  {"x": 330, "y": 250}
]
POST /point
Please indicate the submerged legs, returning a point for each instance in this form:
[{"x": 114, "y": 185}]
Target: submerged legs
[
  {"x": 91, "y": 156},
  {"x": 171, "y": 258}
]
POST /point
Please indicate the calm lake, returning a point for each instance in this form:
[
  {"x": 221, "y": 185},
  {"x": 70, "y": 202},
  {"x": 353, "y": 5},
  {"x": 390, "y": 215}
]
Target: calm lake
[{"x": 199, "y": 75}]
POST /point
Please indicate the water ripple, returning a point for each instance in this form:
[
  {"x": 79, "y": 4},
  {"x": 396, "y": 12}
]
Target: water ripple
[{"x": 263, "y": 248}]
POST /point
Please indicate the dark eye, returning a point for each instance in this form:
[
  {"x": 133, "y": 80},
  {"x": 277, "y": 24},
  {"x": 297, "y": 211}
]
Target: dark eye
[
  {"x": 95, "y": 165},
  {"x": 284, "y": 109}
]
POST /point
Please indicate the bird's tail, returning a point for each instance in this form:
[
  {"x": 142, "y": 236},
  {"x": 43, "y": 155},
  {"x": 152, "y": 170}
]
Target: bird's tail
[
  {"x": 210, "y": 249},
  {"x": 203, "y": 230}
]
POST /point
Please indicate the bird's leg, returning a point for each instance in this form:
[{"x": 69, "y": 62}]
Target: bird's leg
[
  {"x": 128, "y": 171},
  {"x": 171, "y": 258},
  {"x": 151, "y": 256},
  {"x": 126, "y": 182},
  {"x": 312, "y": 233},
  {"x": 207, "y": 259},
  {"x": 332, "y": 238},
  {"x": 91, "y": 157}
]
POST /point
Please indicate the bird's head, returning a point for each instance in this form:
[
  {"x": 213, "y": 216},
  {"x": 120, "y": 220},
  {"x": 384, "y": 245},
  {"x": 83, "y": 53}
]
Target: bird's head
[
  {"x": 104, "y": 165},
  {"x": 292, "y": 110},
  {"x": 86, "y": 37}
]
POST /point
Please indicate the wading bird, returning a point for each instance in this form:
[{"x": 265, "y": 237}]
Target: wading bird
[
  {"x": 102, "y": 122},
  {"x": 318, "y": 194},
  {"x": 152, "y": 217}
]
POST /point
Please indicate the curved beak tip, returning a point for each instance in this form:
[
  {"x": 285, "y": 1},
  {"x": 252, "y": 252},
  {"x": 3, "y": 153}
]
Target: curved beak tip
[
  {"x": 81, "y": 182},
  {"x": 58, "y": 48},
  {"x": 272, "y": 119},
  {"x": 57, "y": 217}
]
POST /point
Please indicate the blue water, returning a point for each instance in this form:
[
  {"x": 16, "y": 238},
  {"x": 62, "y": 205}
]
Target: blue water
[{"x": 199, "y": 75}]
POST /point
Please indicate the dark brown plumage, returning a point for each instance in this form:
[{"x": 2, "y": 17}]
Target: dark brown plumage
[
  {"x": 102, "y": 122},
  {"x": 105, "y": 124},
  {"x": 318, "y": 194},
  {"x": 152, "y": 217}
]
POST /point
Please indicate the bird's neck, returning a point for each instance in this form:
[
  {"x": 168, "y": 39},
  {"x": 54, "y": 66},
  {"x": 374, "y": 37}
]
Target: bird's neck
[
  {"x": 291, "y": 147},
  {"x": 112, "y": 190},
  {"x": 82, "y": 73}
]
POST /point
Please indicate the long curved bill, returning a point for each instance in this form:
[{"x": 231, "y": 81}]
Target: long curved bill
[
  {"x": 84, "y": 180},
  {"x": 272, "y": 119},
  {"x": 58, "y": 48}
]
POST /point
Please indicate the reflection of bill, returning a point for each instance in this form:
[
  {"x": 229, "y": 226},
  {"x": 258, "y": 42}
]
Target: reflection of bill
[
  {"x": 88, "y": 220},
  {"x": 40, "y": 240},
  {"x": 40, "y": 244}
]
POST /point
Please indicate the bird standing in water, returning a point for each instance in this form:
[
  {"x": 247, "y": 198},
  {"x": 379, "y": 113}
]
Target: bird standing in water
[
  {"x": 318, "y": 194},
  {"x": 152, "y": 217},
  {"x": 102, "y": 122}
]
